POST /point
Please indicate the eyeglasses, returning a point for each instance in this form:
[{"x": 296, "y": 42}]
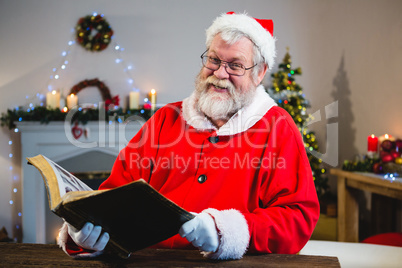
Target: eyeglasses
[{"x": 231, "y": 68}]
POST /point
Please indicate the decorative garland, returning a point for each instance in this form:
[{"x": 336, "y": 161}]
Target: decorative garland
[
  {"x": 87, "y": 38},
  {"x": 44, "y": 115},
  {"x": 104, "y": 90},
  {"x": 373, "y": 166}
]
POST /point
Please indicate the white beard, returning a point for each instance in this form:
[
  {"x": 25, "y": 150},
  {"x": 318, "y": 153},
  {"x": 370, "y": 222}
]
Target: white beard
[{"x": 217, "y": 105}]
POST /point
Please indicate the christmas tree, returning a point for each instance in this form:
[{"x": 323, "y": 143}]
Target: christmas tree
[{"x": 289, "y": 95}]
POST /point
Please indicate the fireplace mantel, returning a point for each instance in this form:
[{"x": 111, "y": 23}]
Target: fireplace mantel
[{"x": 56, "y": 141}]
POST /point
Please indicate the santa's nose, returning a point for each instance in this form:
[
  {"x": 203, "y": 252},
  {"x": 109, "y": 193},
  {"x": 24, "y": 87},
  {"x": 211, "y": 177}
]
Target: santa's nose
[{"x": 221, "y": 73}]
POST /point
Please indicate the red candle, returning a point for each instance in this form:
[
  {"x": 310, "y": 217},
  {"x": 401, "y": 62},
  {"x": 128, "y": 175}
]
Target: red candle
[{"x": 372, "y": 143}]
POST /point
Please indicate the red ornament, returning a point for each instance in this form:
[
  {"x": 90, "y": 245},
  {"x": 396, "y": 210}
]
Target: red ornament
[
  {"x": 377, "y": 168},
  {"x": 114, "y": 102},
  {"x": 387, "y": 158},
  {"x": 395, "y": 154},
  {"x": 382, "y": 153},
  {"x": 387, "y": 145}
]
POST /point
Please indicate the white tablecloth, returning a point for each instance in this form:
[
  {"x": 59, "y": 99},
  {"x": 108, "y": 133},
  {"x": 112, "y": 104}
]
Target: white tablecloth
[{"x": 356, "y": 254}]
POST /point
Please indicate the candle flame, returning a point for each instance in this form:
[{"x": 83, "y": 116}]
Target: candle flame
[
  {"x": 72, "y": 94},
  {"x": 153, "y": 91},
  {"x": 54, "y": 92},
  {"x": 386, "y": 136}
]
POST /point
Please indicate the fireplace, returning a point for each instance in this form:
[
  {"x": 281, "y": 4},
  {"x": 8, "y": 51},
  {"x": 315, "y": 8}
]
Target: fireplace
[{"x": 88, "y": 156}]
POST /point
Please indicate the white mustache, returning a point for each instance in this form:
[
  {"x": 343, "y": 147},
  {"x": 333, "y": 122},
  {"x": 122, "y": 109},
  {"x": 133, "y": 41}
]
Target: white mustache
[{"x": 220, "y": 83}]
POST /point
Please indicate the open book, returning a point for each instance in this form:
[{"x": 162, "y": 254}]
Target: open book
[{"x": 135, "y": 215}]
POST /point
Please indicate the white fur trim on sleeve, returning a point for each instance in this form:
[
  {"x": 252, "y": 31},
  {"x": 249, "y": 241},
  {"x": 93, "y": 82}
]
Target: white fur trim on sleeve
[
  {"x": 234, "y": 234},
  {"x": 63, "y": 236}
]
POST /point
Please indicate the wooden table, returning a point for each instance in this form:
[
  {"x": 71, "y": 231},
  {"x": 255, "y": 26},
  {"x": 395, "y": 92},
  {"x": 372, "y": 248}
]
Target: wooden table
[
  {"x": 348, "y": 207},
  {"x": 46, "y": 255}
]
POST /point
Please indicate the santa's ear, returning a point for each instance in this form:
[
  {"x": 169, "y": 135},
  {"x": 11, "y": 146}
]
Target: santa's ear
[{"x": 261, "y": 74}]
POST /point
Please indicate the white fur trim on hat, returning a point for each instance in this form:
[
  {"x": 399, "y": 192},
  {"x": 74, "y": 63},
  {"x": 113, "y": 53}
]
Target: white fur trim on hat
[
  {"x": 250, "y": 27},
  {"x": 233, "y": 232}
]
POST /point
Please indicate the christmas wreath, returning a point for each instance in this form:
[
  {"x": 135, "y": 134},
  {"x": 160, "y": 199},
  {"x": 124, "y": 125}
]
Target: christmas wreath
[
  {"x": 104, "y": 90},
  {"x": 93, "y": 32}
]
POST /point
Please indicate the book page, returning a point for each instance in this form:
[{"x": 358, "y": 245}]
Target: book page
[{"x": 67, "y": 182}]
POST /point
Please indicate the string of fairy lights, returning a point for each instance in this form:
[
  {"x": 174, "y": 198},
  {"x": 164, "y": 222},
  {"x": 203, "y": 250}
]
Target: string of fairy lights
[
  {"x": 15, "y": 180},
  {"x": 38, "y": 99}
]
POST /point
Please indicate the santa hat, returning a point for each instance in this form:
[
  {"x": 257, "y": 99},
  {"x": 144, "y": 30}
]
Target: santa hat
[{"x": 259, "y": 31}]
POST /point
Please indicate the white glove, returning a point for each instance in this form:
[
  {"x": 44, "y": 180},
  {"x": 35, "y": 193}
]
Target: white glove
[
  {"x": 89, "y": 237},
  {"x": 201, "y": 232}
]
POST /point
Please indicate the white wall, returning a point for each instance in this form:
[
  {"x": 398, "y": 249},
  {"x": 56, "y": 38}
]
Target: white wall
[{"x": 349, "y": 51}]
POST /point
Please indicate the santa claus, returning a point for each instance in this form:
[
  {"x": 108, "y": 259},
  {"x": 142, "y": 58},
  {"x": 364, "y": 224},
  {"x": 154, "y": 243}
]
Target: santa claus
[{"x": 230, "y": 155}]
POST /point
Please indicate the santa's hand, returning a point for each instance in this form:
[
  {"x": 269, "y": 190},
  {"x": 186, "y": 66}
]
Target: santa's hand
[
  {"x": 89, "y": 237},
  {"x": 201, "y": 232}
]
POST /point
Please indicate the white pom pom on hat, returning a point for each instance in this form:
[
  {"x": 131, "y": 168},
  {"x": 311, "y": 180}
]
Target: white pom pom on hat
[{"x": 260, "y": 32}]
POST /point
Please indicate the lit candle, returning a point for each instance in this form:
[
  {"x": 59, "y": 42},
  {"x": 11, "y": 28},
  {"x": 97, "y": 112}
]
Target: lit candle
[
  {"x": 134, "y": 100},
  {"x": 372, "y": 143},
  {"x": 53, "y": 99},
  {"x": 385, "y": 137},
  {"x": 72, "y": 101},
  {"x": 153, "y": 99}
]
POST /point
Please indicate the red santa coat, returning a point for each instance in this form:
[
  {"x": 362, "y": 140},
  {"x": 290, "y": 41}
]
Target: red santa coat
[{"x": 252, "y": 175}]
